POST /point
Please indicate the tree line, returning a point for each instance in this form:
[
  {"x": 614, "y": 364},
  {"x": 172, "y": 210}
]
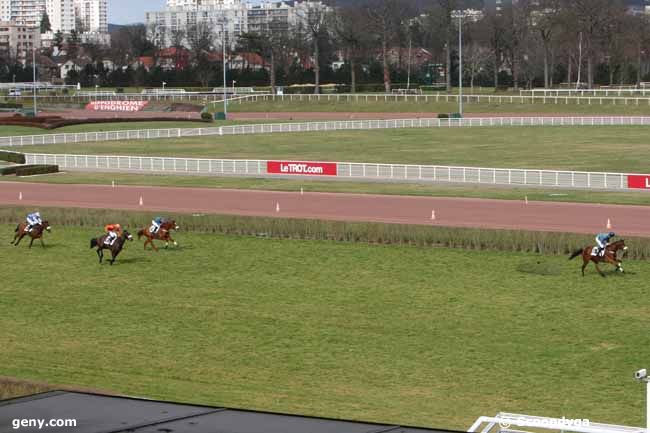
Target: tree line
[{"x": 366, "y": 45}]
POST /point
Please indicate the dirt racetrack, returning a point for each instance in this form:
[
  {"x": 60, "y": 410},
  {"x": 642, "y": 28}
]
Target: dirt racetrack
[{"x": 453, "y": 212}]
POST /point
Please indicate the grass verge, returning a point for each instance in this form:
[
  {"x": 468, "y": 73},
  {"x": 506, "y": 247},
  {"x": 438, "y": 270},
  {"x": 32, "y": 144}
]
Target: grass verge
[{"x": 613, "y": 149}]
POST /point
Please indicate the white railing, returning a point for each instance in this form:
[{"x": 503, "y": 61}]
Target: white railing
[
  {"x": 587, "y": 92},
  {"x": 271, "y": 128},
  {"x": 350, "y": 170},
  {"x": 557, "y": 99},
  {"x": 518, "y": 423},
  {"x": 443, "y": 97}
]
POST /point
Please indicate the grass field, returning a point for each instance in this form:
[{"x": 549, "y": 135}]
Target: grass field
[
  {"x": 433, "y": 190},
  {"x": 395, "y": 334},
  {"x": 440, "y": 107},
  {"x": 616, "y": 149}
]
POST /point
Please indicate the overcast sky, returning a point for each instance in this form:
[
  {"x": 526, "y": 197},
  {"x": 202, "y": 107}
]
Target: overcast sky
[{"x": 131, "y": 11}]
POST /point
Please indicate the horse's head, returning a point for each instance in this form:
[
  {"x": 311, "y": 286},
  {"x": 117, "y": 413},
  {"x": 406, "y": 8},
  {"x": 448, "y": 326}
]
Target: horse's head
[
  {"x": 127, "y": 235},
  {"x": 171, "y": 224},
  {"x": 46, "y": 226},
  {"x": 618, "y": 246}
]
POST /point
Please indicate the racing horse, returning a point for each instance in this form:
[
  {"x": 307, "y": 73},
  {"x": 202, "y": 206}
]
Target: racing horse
[
  {"x": 115, "y": 249},
  {"x": 36, "y": 233},
  {"x": 163, "y": 234},
  {"x": 610, "y": 256}
]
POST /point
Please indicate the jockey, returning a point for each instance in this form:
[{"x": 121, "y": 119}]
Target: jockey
[
  {"x": 33, "y": 219},
  {"x": 155, "y": 224},
  {"x": 112, "y": 232},
  {"x": 603, "y": 240}
]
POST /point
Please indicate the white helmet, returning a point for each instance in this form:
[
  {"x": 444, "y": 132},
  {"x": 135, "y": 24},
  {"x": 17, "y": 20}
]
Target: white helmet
[{"x": 37, "y": 213}]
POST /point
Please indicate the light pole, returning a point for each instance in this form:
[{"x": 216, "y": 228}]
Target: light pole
[
  {"x": 34, "y": 78},
  {"x": 460, "y": 64},
  {"x": 223, "y": 53},
  {"x": 642, "y": 376}
]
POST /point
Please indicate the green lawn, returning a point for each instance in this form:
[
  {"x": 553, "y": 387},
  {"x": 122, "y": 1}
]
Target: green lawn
[
  {"x": 394, "y": 334},
  {"x": 434, "y": 190},
  {"x": 397, "y": 106},
  {"x": 620, "y": 149}
]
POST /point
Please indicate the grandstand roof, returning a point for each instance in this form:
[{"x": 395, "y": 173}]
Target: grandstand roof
[{"x": 96, "y": 413}]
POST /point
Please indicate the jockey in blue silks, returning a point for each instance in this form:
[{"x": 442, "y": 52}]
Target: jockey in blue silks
[
  {"x": 602, "y": 239},
  {"x": 33, "y": 219},
  {"x": 155, "y": 225}
]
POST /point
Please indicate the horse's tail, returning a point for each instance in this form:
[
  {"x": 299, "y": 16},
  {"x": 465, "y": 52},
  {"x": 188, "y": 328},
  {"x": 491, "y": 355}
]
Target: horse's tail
[
  {"x": 140, "y": 233},
  {"x": 576, "y": 253},
  {"x": 93, "y": 243}
]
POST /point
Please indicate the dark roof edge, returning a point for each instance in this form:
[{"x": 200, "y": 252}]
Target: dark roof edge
[{"x": 53, "y": 393}]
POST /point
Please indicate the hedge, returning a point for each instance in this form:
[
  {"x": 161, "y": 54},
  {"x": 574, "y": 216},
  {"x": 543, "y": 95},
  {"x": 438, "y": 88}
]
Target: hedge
[
  {"x": 374, "y": 233},
  {"x": 31, "y": 170},
  {"x": 16, "y": 158}
]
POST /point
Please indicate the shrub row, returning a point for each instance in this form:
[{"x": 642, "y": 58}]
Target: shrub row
[
  {"x": 376, "y": 233},
  {"x": 10, "y": 105},
  {"x": 16, "y": 158},
  {"x": 28, "y": 170},
  {"x": 31, "y": 170}
]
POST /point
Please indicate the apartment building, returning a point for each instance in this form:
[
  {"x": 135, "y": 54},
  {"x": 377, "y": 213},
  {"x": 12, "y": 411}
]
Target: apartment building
[
  {"x": 92, "y": 15},
  {"x": 17, "y": 40}
]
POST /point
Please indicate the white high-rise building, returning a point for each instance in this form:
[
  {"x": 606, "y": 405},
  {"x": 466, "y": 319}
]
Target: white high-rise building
[
  {"x": 5, "y": 10},
  {"x": 92, "y": 14},
  {"x": 201, "y": 3},
  {"x": 61, "y": 14},
  {"x": 27, "y": 12}
]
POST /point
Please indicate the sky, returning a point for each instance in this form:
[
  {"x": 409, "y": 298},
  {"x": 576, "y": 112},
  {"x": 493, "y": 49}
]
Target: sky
[{"x": 131, "y": 11}]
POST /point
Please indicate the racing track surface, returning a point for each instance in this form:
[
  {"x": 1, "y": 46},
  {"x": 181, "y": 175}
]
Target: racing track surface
[{"x": 452, "y": 212}]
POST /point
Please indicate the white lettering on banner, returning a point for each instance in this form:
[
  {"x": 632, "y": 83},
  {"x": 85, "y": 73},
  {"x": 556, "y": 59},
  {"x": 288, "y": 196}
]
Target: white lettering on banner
[
  {"x": 116, "y": 105},
  {"x": 300, "y": 169}
]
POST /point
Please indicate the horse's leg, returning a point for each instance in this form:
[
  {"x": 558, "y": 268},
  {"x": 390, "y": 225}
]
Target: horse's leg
[
  {"x": 586, "y": 258},
  {"x": 31, "y": 242},
  {"x": 100, "y": 254},
  {"x": 41, "y": 239},
  {"x": 20, "y": 238},
  {"x": 598, "y": 269}
]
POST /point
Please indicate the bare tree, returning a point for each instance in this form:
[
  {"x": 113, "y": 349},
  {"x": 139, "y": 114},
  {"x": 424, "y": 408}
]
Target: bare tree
[
  {"x": 384, "y": 19},
  {"x": 546, "y": 20},
  {"x": 352, "y": 36},
  {"x": 315, "y": 17},
  {"x": 201, "y": 40}
]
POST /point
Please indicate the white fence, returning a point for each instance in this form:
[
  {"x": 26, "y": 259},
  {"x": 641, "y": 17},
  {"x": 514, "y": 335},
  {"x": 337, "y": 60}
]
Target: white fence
[
  {"x": 557, "y": 98},
  {"x": 271, "y": 128},
  {"x": 443, "y": 97},
  {"x": 346, "y": 170},
  {"x": 588, "y": 92}
]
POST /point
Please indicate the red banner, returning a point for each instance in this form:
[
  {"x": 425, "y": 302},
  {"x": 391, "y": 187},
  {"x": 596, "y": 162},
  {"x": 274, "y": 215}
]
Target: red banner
[
  {"x": 638, "y": 181},
  {"x": 302, "y": 168},
  {"x": 117, "y": 105}
]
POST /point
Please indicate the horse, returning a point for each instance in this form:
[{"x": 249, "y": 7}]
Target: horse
[
  {"x": 36, "y": 233},
  {"x": 610, "y": 256},
  {"x": 163, "y": 234},
  {"x": 114, "y": 249}
]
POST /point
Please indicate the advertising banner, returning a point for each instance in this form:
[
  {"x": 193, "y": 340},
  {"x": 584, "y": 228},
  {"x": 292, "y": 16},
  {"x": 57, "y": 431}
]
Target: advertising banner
[
  {"x": 302, "y": 168},
  {"x": 116, "y": 105}
]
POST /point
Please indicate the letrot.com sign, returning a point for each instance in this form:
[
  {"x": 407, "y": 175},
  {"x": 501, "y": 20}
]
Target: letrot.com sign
[
  {"x": 638, "y": 181},
  {"x": 117, "y": 105},
  {"x": 301, "y": 168}
]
